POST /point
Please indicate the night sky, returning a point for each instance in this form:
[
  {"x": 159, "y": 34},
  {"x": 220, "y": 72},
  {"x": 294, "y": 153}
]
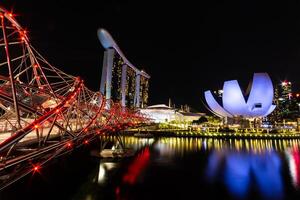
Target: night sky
[{"x": 185, "y": 47}]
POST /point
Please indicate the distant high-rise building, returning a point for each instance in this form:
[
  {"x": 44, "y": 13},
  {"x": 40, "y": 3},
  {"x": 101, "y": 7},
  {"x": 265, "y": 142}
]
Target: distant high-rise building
[
  {"x": 284, "y": 97},
  {"x": 287, "y": 102},
  {"x": 218, "y": 93},
  {"x": 285, "y": 91}
]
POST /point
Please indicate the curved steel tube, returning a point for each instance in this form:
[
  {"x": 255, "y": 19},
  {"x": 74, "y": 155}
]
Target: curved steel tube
[{"x": 23, "y": 132}]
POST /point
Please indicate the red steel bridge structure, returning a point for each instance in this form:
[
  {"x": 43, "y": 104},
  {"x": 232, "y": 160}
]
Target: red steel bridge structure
[{"x": 44, "y": 112}]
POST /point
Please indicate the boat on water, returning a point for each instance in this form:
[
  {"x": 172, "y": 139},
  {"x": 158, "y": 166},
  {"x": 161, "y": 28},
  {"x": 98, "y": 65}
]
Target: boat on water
[{"x": 116, "y": 153}]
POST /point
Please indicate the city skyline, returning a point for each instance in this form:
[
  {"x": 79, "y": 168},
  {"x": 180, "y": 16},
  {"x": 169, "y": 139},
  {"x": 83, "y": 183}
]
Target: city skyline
[
  {"x": 223, "y": 117},
  {"x": 185, "y": 50}
]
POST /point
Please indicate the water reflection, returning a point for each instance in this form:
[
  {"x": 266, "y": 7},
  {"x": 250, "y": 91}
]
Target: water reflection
[
  {"x": 104, "y": 168},
  {"x": 107, "y": 165},
  {"x": 137, "y": 166},
  {"x": 175, "y": 146},
  {"x": 236, "y": 174},
  {"x": 173, "y": 168},
  {"x": 267, "y": 172},
  {"x": 293, "y": 157},
  {"x": 242, "y": 170},
  {"x": 242, "y": 166}
]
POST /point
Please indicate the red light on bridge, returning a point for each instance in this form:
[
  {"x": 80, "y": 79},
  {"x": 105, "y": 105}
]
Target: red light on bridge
[
  {"x": 10, "y": 14},
  {"x": 36, "y": 126},
  {"x": 36, "y": 168},
  {"x": 69, "y": 144},
  {"x": 86, "y": 142}
]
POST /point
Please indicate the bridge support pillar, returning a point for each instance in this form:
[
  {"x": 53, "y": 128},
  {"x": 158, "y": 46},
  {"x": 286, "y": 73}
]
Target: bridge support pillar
[
  {"x": 106, "y": 78},
  {"x": 137, "y": 91},
  {"x": 123, "y": 85}
]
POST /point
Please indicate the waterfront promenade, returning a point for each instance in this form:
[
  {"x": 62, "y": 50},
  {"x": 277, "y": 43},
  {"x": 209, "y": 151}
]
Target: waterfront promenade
[{"x": 213, "y": 132}]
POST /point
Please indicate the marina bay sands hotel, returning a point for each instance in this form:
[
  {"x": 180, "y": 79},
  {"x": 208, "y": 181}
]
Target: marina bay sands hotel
[{"x": 121, "y": 80}]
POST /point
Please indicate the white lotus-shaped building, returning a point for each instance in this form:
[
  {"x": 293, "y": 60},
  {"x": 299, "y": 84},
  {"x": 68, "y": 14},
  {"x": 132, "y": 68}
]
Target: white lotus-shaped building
[{"x": 258, "y": 103}]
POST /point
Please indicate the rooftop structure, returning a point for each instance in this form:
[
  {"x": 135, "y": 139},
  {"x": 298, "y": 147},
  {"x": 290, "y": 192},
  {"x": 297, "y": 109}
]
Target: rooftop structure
[{"x": 162, "y": 113}]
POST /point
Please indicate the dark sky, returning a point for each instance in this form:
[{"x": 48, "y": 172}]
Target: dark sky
[{"x": 186, "y": 47}]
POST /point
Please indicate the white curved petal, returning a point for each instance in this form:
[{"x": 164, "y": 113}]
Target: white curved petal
[
  {"x": 261, "y": 95},
  {"x": 214, "y": 105},
  {"x": 271, "y": 109},
  {"x": 233, "y": 99}
]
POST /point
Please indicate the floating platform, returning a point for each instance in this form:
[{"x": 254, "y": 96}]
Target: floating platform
[{"x": 116, "y": 153}]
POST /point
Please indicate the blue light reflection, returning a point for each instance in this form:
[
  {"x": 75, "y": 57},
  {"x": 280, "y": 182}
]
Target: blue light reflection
[
  {"x": 236, "y": 174},
  {"x": 241, "y": 170},
  {"x": 266, "y": 169}
]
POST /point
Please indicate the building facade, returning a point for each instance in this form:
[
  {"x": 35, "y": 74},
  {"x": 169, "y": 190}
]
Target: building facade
[{"x": 234, "y": 105}]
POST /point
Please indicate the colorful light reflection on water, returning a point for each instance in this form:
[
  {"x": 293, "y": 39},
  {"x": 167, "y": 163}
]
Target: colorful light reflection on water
[
  {"x": 174, "y": 168},
  {"x": 245, "y": 168}
]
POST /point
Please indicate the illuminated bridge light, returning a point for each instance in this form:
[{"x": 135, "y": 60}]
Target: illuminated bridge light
[
  {"x": 36, "y": 168},
  {"x": 69, "y": 144}
]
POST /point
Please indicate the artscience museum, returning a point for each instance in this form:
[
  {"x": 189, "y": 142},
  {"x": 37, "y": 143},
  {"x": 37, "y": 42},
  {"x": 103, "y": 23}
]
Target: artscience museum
[{"x": 256, "y": 103}]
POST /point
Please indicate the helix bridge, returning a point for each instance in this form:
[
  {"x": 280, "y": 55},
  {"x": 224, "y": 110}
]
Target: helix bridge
[{"x": 45, "y": 112}]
